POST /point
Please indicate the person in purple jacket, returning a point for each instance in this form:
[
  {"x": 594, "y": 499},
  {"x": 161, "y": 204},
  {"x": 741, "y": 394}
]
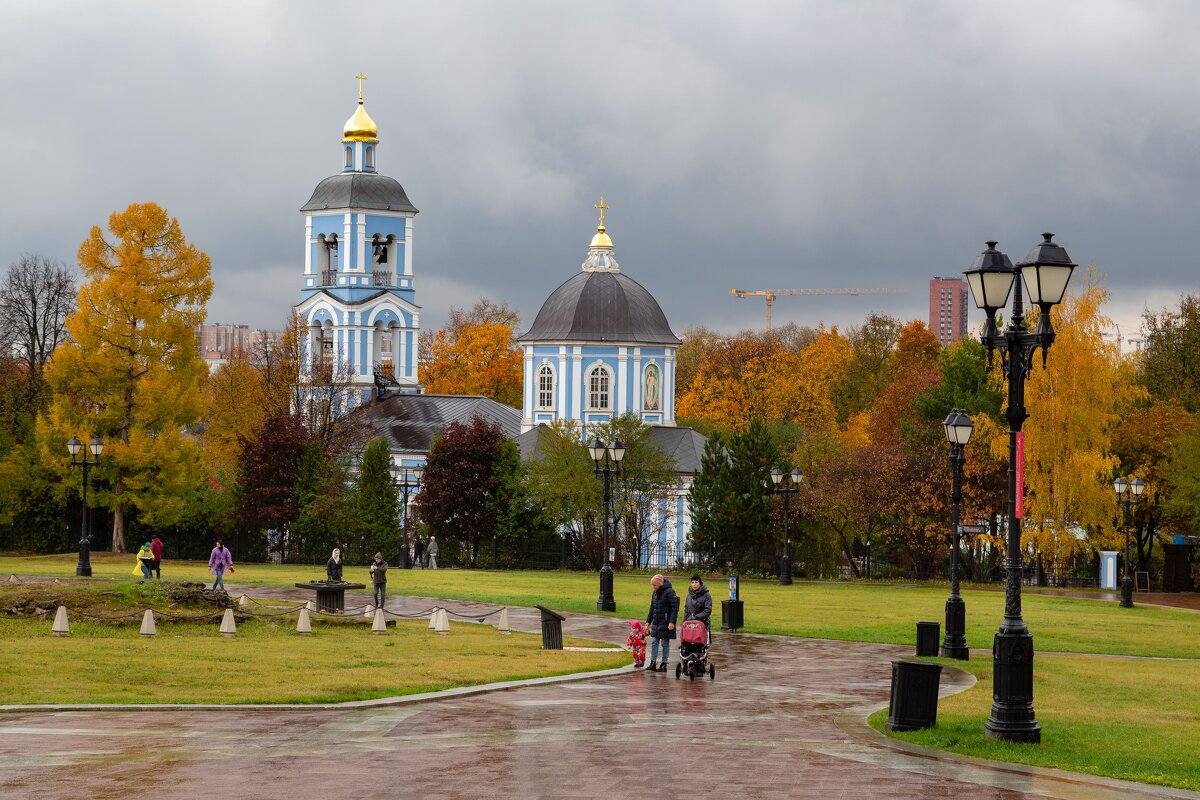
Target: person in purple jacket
[{"x": 220, "y": 560}]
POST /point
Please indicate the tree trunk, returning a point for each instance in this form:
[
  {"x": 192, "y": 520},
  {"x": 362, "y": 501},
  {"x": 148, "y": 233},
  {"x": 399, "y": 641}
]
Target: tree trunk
[{"x": 118, "y": 532}]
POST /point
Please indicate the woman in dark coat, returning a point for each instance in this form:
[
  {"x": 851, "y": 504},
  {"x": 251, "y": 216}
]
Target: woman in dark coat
[
  {"x": 698, "y": 604},
  {"x": 333, "y": 567},
  {"x": 664, "y": 610}
]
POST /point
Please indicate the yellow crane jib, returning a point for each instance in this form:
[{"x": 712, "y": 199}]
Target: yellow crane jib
[{"x": 769, "y": 295}]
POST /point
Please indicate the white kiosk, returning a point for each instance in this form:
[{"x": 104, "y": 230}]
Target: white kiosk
[{"x": 1108, "y": 569}]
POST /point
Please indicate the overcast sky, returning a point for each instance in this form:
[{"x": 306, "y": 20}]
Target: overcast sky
[{"x": 751, "y": 145}]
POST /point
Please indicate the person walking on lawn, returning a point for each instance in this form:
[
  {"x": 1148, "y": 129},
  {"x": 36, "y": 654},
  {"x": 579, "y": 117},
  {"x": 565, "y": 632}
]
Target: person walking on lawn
[
  {"x": 431, "y": 551},
  {"x": 664, "y": 610},
  {"x": 220, "y": 561},
  {"x": 156, "y": 549}
]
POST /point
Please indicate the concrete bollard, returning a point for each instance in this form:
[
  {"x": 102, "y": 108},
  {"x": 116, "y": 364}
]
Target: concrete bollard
[
  {"x": 433, "y": 618},
  {"x": 443, "y": 621},
  {"x": 502, "y": 625},
  {"x": 12, "y": 578},
  {"x": 243, "y": 600},
  {"x": 379, "y": 624},
  {"x": 61, "y": 626},
  {"x": 148, "y": 627},
  {"x": 304, "y": 624},
  {"x": 370, "y": 610},
  {"x": 310, "y": 606},
  {"x": 228, "y": 624}
]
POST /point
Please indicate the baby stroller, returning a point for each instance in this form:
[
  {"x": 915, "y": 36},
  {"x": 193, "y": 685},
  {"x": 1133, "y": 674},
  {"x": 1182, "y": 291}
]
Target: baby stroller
[{"x": 693, "y": 651}]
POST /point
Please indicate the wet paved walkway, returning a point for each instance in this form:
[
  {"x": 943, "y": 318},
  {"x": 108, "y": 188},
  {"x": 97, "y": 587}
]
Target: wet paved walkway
[{"x": 783, "y": 719}]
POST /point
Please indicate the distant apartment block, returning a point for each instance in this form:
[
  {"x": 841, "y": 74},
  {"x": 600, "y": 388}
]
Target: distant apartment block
[
  {"x": 948, "y": 309},
  {"x": 216, "y": 341}
]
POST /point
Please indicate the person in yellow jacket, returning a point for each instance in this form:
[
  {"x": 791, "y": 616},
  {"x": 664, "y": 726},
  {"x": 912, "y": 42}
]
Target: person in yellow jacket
[{"x": 145, "y": 558}]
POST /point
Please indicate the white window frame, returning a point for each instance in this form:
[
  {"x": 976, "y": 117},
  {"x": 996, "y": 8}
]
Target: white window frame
[
  {"x": 545, "y": 369},
  {"x": 595, "y": 371}
]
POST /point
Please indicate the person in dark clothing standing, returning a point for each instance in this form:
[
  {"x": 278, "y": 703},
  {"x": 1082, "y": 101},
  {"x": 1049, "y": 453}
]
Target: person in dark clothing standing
[
  {"x": 419, "y": 555},
  {"x": 664, "y": 610},
  {"x": 379, "y": 578},
  {"x": 156, "y": 550},
  {"x": 698, "y": 604},
  {"x": 333, "y": 567}
]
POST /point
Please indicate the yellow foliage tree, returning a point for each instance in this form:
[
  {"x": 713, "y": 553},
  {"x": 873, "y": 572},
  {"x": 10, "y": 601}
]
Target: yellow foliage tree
[
  {"x": 476, "y": 354},
  {"x": 1074, "y": 407},
  {"x": 131, "y": 372},
  {"x": 234, "y": 405}
]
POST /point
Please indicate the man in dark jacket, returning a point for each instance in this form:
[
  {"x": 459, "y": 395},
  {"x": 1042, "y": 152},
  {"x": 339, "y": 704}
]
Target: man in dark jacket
[
  {"x": 379, "y": 578},
  {"x": 156, "y": 549},
  {"x": 664, "y": 610}
]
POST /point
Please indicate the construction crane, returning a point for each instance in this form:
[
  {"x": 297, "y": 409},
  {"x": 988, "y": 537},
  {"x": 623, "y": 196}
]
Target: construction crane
[{"x": 770, "y": 294}]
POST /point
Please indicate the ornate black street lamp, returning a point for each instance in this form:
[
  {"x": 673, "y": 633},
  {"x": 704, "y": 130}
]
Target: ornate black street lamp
[
  {"x": 786, "y": 488},
  {"x": 84, "y": 567},
  {"x": 1045, "y": 273},
  {"x": 958, "y": 428},
  {"x": 608, "y": 464},
  {"x": 1128, "y": 493}
]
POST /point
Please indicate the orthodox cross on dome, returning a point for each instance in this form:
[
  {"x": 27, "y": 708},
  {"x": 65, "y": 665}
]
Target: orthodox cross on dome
[
  {"x": 360, "y": 78},
  {"x": 602, "y": 208}
]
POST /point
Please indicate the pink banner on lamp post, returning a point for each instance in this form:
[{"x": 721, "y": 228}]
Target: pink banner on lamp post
[{"x": 1020, "y": 513}]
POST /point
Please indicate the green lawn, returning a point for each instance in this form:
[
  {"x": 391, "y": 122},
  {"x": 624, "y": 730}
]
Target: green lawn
[{"x": 1133, "y": 719}]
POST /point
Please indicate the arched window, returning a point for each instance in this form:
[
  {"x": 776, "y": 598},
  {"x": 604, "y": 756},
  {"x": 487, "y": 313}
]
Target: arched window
[
  {"x": 599, "y": 384},
  {"x": 545, "y": 384},
  {"x": 349, "y": 156},
  {"x": 370, "y": 157}
]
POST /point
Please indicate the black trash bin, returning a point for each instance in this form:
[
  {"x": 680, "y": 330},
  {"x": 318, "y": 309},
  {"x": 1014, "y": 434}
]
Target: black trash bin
[
  {"x": 928, "y": 634},
  {"x": 732, "y": 615},
  {"x": 551, "y": 629},
  {"x": 914, "y": 697}
]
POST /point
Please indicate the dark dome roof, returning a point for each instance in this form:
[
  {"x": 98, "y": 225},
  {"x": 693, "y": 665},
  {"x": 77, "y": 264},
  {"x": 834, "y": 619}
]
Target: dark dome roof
[
  {"x": 359, "y": 190},
  {"x": 601, "y": 306}
]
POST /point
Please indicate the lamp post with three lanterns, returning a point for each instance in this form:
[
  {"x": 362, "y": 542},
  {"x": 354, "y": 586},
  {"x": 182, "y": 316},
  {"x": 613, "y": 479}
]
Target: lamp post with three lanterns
[
  {"x": 1128, "y": 492},
  {"x": 608, "y": 464},
  {"x": 1045, "y": 272},
  {"x": 84, "y": 567},
  {"x": 958, "y": 428},
  {"x": 786, "y": 488}
]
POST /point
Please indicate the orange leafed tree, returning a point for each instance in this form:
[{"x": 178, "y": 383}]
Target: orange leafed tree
[{"x": 476, "y": 353}]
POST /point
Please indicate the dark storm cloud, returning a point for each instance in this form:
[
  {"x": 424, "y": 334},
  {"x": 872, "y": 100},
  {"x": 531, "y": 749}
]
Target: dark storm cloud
[{"x": 754, "y": 145}]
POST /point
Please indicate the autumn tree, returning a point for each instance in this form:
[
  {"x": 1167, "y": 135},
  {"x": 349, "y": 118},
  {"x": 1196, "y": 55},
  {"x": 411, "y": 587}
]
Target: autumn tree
[
  {"x": 268, "y": 468},
  {"x": 872, "y": 344},
  {"x": 1073, "y": 409},
  {"x": 459, "y": 486},
  {"x": 562, "y": 484},
  {"x": 1184, "y": 479},
  {"x": 234, "y": 405},
  {"x": 476, "y": 353},
  {"x": 130, "y": 371}
]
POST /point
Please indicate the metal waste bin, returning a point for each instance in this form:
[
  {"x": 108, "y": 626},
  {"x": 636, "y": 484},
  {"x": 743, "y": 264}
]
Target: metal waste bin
[
  {"x": 928, "y": 634},
  {"x": 551, "y": 629},
  {"x": 914, "y": 698},
  {"x": 732, "y": 615}
]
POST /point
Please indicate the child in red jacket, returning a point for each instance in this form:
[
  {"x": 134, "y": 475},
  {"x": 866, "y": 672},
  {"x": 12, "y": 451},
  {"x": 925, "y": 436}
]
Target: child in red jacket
[{"x": 637, "y": 642}]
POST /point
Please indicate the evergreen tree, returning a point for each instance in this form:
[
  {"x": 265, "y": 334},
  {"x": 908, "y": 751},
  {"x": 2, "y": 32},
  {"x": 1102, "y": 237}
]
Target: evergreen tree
[{"x": 376, "y": 508}]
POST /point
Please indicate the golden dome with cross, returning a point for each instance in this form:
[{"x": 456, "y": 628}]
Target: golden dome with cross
[{"x": 360, "y": 127}]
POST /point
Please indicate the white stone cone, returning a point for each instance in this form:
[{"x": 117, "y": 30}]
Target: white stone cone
[
  {"x": 502, "y": 625},
  {"x": 369, "y": 611},
  {"x": 61, "y": 626},
  {"x": 310, "y": 606},
  {"x": 379, "y": 624},
  {"x": 443, "y": 621},
  {"x": 228, "y": 624},
  {"x": 243, "y": 600},
  {"x": 304, "y": 624},
  {"x": 148, "y": 627},
  {"x": 433, "y": 618},
  {"x": 12, "y": 578}
]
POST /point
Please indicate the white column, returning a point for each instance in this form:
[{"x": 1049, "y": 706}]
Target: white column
[
  {"x": 637, "y": 381},
  {"x": 622, "y": 404},
  {"x": 560, "y": 407},
  {"x": 397, "y": 335},
  {"x": 530, "y": 391},
  {"x": 577, "y": 383},
  {"x": 346, "y": 244},
  {"x": 308, "y": 245},
  {"x": 408, "y": 255},
  {"x": 668, "y": 388}
]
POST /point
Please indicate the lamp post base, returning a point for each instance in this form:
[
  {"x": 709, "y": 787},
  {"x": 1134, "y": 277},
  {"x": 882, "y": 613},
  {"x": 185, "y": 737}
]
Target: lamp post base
[
  {"x": 83, "y": 569},
  {"x": 1012, "y": 717},
  {"x": 1127, "y": 592},
  {"x": 606, "y": 601},
  {"x": 785, "y": 571},
  {"x": 955, "y": 643}
]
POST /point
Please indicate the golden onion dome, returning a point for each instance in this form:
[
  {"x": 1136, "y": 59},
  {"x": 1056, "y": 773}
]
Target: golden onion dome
[{"x": 360, "y": 127}]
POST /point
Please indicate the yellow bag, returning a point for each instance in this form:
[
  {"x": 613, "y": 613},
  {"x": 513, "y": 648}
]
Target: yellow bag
[{"x": 137, "y": 569}]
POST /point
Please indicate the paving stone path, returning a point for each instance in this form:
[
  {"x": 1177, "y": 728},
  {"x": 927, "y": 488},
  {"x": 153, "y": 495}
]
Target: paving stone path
[{"x": 783, "y": 719}]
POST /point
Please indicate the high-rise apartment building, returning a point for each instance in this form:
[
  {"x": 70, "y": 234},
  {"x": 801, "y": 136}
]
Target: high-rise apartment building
[{"x": 948, "y": 309}]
